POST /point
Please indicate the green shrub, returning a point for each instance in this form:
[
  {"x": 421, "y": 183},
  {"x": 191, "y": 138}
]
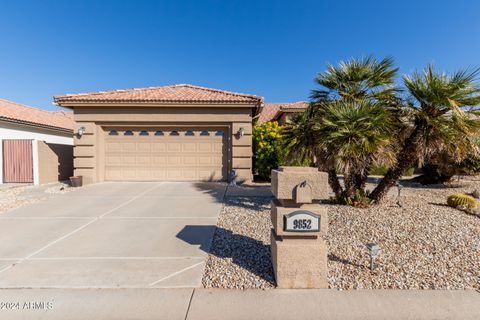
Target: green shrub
[
  {"x": 382, "y": 170},
  {"x": 469, "y": 166},
  {"x": 266, "y": 150},
  {"x": 360, "y": 199},
  {"x": 378, "y": 170},
  {"x": 461, "y": 199}
]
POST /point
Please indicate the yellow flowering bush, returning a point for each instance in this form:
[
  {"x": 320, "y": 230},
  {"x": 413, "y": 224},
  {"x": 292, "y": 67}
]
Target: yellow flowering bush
[{"x": 266, "y": 151}]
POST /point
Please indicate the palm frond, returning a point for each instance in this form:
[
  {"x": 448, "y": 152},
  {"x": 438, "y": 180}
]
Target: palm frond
[{"x": 364, "y": 78}]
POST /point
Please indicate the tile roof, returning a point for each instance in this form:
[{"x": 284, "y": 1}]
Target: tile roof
[
  {"x": 271, "y": 110},
  {"x": 13, "y": 111},
  {"x": 165, "y": 94}
]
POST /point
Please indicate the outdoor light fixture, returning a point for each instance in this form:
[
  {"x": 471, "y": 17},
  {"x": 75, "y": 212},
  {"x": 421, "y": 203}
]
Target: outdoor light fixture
[
  {"x": 373, "y": 251},
  {"x": 399, "y": 191},
  {"x": 241, "y": 132},
  {"x": 233, "y": 176},
  {"x": 81, "y": 131}
]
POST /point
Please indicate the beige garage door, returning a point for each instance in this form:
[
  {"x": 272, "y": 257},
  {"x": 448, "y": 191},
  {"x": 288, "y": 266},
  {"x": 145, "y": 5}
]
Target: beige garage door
[{"x": 171, "y": 154}]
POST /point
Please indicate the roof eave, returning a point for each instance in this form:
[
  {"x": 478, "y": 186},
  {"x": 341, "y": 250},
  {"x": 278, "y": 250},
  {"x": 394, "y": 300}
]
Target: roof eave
[
  {"x": 36, "y": 125},
  {"x": 72, "y": 103}
]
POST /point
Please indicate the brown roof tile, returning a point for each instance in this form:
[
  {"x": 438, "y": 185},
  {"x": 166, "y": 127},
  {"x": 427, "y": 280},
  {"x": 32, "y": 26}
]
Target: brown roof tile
[
  {"x": 165, "y": 94},
  {"x": 18, "y": 112},
  {"x": 271, "y": 110}
]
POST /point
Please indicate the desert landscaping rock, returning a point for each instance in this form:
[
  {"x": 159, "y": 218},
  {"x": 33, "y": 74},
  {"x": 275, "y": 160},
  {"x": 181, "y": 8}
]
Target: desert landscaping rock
[
  {"x": 240, "y": 253},
  {"x": 11, "y": 198},
  {"x": 425, "y": 244},
  {"x": 17, "y": 196},
  {"x": 61, "y": 187}
]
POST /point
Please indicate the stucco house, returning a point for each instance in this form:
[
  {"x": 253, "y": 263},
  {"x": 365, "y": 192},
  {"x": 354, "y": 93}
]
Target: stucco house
[
  {"x": 36, "y": 146},
  {"x": 174, "y": 133},
  {"x": 281, "y": 112}
]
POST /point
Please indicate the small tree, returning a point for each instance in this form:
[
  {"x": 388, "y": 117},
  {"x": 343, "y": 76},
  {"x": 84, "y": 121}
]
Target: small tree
[
  {"x": 357, "y": 119},
  {"x": 266, "y": 152},
  {"x": 348, "y": 127},
  {"x": 439, "y": 119}
]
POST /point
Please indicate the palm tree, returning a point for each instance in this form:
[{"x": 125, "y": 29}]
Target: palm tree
[
  {"x": 358, "y": 79},
  {"x": 441, "y": 117},
  {"x": 300, "y": 142},
  {"x": 357, "y": 135},
  {"x": 347, "y": 126}
]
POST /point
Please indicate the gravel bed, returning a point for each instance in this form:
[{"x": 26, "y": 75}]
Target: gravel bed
[
  {"x": 425, "y": 244},
  {"x": 61, "y": 188},
  {"x": 14, "y": 197},
  {"x": 240, "y": 253},
  {"x": 11, "y": 198}
]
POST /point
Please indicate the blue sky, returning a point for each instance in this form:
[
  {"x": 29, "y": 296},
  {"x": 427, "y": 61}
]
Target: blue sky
[{"x": 269, "y": 48}]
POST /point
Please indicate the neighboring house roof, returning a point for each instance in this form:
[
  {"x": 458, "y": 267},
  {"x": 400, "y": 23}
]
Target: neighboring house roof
[
  {"x": 180, "y": 93},
  {"x": 16, "y": 112},
  {"x": 271, "y": 111}
]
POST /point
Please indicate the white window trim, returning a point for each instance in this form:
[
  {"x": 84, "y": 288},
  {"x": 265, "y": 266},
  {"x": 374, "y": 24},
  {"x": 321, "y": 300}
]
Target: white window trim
[
  {"x": 36, "y": 172},
  {"x": 1, "y": 161}
]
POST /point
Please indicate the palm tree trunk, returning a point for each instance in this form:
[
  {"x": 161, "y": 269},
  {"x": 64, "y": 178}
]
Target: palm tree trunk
[
  {"x": 405, "y": 160},
  {"x": 328, "y": 165},
  {"x": 349, "y": 179},
  {"x": 334, "y": 182},
  {"x": 361, "y": 176}
]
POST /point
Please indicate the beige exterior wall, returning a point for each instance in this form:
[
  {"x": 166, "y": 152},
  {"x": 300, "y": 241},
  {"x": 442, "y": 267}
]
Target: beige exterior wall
[
  {"x": 55, "y": 162},
  {"x": 89, "y": 149}
]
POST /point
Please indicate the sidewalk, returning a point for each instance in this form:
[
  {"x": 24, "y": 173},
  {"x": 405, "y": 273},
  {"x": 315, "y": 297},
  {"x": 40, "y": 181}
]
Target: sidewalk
[{"x": 232, "y": 304}]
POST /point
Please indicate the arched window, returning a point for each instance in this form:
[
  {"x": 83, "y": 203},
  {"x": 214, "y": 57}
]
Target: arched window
[
  {"x": 144, "y": 133},
  {"x": 189, "y": 133},
  {"x": 174, "y": 133},
  {"x": 128, "y": 133},
  {"x": 159, "y": 133},
  {"x": 204, "y": 133},
  {"x": 219, "y": 133},
  {"x": 113, "y": 133}
]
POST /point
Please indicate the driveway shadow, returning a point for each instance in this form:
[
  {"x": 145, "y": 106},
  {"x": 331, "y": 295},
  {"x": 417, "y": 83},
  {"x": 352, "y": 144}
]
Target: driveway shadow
[
  {"x": 216, "y": 190},
  {"x": 200, "y": 235},
  {"x": 248, "y": 203},
  {"x": 248, "y": 253}
]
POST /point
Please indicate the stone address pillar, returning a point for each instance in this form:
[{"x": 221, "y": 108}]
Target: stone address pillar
[{"x": 299, "y": 251}]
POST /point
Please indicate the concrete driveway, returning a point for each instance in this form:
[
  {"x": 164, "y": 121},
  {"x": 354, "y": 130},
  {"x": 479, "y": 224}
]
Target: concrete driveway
[{"x": 112, "y": 235}]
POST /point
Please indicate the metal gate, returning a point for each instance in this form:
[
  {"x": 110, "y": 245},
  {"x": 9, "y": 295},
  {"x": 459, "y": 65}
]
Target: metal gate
[{"x": 17, "y": 161}]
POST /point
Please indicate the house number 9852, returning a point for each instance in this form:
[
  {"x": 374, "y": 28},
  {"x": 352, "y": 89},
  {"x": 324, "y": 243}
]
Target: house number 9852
[{"x": 302, "y": 224}]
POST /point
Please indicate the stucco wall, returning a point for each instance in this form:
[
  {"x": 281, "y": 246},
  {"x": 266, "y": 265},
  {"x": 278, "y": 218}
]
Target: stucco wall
[
  {"x": 55, "y": 162},
  {"x": 89, "y": 149}
]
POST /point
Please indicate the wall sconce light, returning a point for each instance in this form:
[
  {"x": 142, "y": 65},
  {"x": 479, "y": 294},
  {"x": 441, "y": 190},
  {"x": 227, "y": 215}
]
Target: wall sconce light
[
  {"x": 241, "y": 132},
  {"x": 81, "y": 131},
  {"x": 373, "y": 251}
]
